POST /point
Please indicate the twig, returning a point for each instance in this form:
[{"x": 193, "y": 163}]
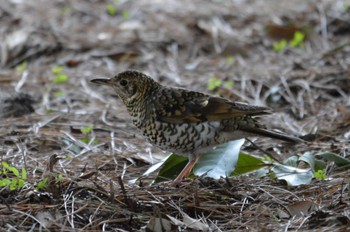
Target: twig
[{"x": 263, "y": 151}]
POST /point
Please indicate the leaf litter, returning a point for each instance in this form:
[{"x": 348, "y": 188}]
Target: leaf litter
[{"x": 180, "y": 43}]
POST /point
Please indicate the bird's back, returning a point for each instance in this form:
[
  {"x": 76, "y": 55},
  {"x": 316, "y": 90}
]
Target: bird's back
[{"x": 176, "y": 120}]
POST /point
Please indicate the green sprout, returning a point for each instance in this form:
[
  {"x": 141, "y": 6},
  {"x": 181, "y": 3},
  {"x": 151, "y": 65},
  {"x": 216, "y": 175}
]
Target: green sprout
[
  {"x": 21, "y": 67},
  {"x": 57, "y": 70},
  {"x": 87, "y": 129},
  {"x": 230, "y": 59},
  {"x": 125, "y": 14},
  {"x": 42, "y": 184},
  {"x": 214, "y": 83},
  {"x": 228, "y": 84},
  {"x": 58, "y": 94},
  {"x": 60, "y": 77},
  {"x": 297, "y": 40},
  {"x": 111, "y": 9},
  {"x": 279, "y": 46},
  {"x": 65, "y": 10},
  {"x": 13, "y": 183},
  {"x": 320, "y": 174}
]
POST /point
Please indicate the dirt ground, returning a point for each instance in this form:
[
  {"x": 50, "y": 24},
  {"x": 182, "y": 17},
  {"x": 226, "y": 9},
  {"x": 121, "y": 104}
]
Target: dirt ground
[{"x": 51, "y": 49}]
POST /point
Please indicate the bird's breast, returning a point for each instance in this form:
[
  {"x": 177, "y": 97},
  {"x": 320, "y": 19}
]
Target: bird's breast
[{"x": 182, "y": 138}]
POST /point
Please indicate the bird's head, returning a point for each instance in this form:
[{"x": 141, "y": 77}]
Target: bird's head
[{"x": 131, "y": 86}]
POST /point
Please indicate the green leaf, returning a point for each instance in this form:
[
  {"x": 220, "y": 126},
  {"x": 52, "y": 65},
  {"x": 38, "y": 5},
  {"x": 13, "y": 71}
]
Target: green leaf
[
  {"x": 65, "y": 10},
  {"x": 291, "y": 161},
  {"x": 219, "y": 162},
  {"x": 14, "y": 184},
  {"x": 213, "y": 83},
  {"x": 42, "y": 184},
  {"x": 14, "y": 171},
  {"x": 293, "y": 176},
  {"x": 85, "y": 140},
  {"x": 308, "y": 158},
  {"x": 111, "y": 10},
  {"x": 338, "y": 160},
  {"x": 60, "y": 78},
  {"x": 22, "y": 67},
  {"x": 58, "y": 94},
  {"x": 248, "y": 163},
  {"x": 59, "y": 178},
  {"x": 230, "y": 59},
  {"x": 71, "y": 145},
  {"x": 171, "y": 168},
  {"x": 5, "y": 182},
  {"x": 315, "y": 165},
  {"x": 262, "y": 172},
  {"x": 152, "y": 169},
  {"x": 297, "y": 40},
  {"x": 87, "y": 129},
  {"x": 320, "y": 174},
  {"x": 57, "y": 70},
  {"x": 125, "y": 14},
  {"x": 279, "y": 46},
  {"x": 24, "y": 174},
  {"x": 21, "y": 183},
  {"x": 228, "y": 84},
  {"x": 5, "y": 165}
]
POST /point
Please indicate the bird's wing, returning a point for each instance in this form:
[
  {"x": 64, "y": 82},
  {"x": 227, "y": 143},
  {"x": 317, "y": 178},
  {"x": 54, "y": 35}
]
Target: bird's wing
[{"x": 187, "y": 106}]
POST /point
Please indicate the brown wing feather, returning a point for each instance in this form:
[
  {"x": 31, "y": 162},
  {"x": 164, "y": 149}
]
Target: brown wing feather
[{"x": 196, "y": 107}]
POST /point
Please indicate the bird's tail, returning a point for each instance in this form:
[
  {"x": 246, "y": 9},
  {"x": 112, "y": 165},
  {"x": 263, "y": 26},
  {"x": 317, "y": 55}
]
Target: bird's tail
[{"x": 270, "y": 134}]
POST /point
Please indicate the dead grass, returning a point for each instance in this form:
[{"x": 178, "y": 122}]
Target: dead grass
[{"x": 180, "y": 43}]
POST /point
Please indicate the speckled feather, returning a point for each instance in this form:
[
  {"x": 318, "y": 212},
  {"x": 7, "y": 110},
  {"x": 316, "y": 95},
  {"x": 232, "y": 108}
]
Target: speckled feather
[{"x": 184, "y": 121}]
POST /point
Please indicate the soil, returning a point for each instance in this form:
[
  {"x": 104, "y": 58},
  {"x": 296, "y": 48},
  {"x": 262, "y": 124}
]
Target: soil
[{"x": 80, "y": 181}]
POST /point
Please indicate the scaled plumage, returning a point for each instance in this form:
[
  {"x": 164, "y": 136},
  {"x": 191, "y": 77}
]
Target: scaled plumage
[{"x": 184, "y": 121}]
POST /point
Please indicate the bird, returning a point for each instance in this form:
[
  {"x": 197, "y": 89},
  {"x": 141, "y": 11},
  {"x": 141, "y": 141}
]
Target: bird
[{"x": 186, "y": 122}]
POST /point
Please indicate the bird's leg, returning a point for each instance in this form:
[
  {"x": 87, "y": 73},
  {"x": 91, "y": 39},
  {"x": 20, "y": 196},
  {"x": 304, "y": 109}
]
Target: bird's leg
[{"x": 187, "y": 169}]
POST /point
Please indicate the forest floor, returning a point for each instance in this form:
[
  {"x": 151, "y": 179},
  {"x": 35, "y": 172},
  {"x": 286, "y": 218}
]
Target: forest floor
[{"x": 76, "y": 149}]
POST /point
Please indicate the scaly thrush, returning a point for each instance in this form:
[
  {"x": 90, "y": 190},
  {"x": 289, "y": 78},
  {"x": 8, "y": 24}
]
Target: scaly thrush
[{"x": 184, "y": 121}]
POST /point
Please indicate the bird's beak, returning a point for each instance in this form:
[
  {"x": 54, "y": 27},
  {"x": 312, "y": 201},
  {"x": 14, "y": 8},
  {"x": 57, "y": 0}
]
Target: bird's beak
[{"x": 102, "y": 81}]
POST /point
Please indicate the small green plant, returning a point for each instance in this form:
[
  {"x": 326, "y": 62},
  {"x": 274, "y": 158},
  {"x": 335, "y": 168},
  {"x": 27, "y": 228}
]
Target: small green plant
[
  {"x": 230, "y": 59},
  {"x": 320, "y": 174},
  {"x": 58, "y": 94},
  {"x": 14, "y": 183},
  {"x": 267, "y": 159},
  {"x": 42, "y": 184},
  {"x": 279, "y": 46},
  {"x": 228, "y": 84},
  {"x": 214, "y": 83},
  {"x": 65, "y": 10},
  {"x": 125, "y": 14},
  {"x": 60, "y": 76},
  {"x": 297, "y": 40},
  {"x": 111, "y": 9},
  {"x": 21, "y": 67},
  {"x": 87, "y": 129},
  {"x": 50, "y": 181},
  {"x": 87, "y": 132}
]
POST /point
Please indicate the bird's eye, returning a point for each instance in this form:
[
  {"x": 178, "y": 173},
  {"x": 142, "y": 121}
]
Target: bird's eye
[{"x": 123, "y": 82}]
